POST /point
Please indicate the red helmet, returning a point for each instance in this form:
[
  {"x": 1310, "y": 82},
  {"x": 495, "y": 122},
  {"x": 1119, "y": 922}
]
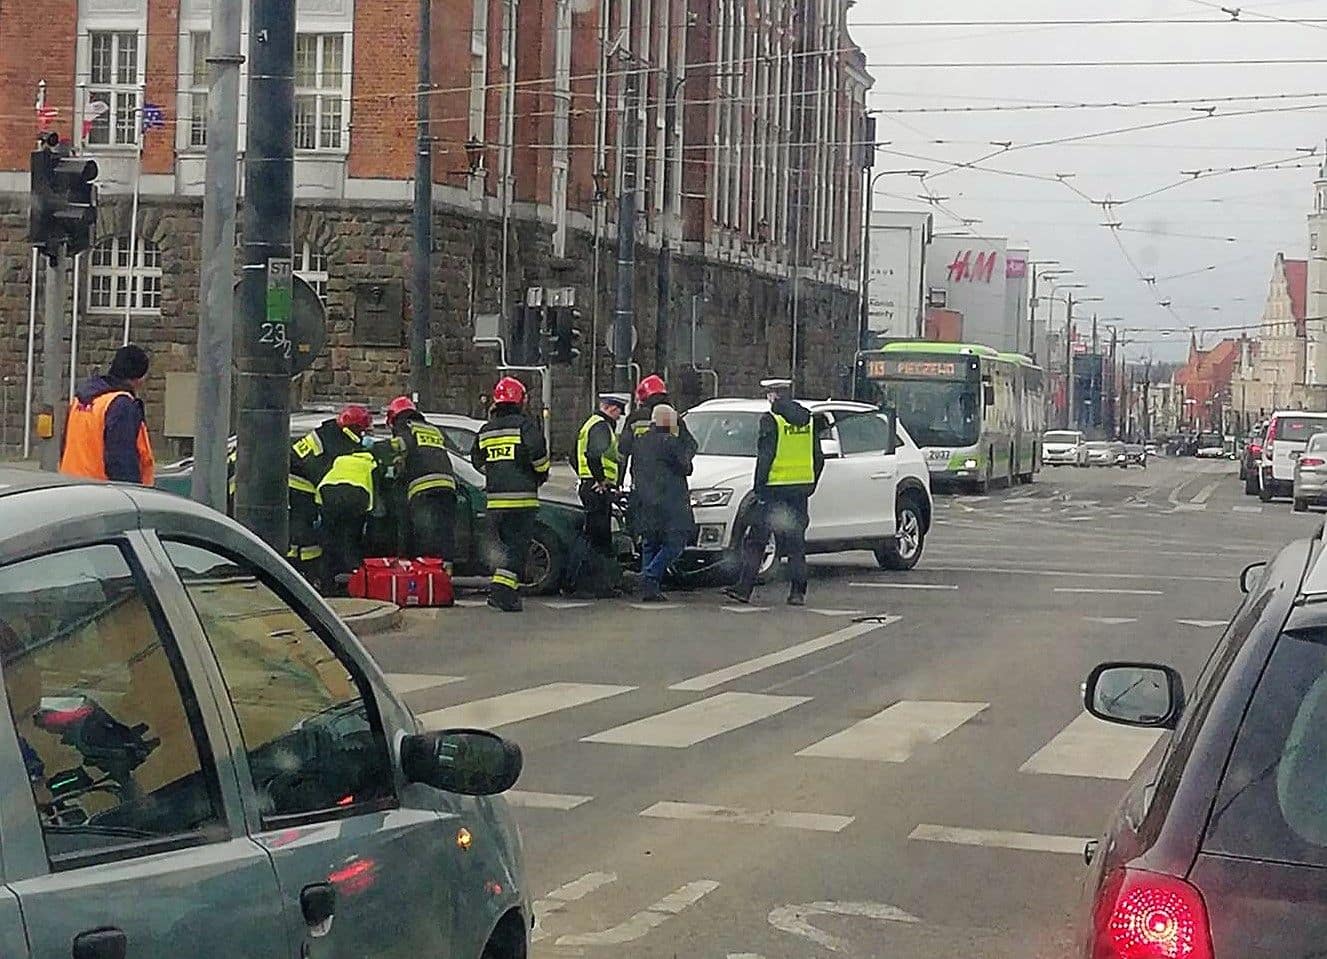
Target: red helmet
[
  {"x": 402, "y": 404},
  {"x": 652, "y": 385},
  {"x": 509, "y": 390},
  {"x": 355, "y": 417}
]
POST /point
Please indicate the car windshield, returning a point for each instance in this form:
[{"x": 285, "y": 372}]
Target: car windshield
[
  {"x": 1067, "y": 439},
  {"x": 724, "y": 432},
  {"x": 1098, "y": 447}
]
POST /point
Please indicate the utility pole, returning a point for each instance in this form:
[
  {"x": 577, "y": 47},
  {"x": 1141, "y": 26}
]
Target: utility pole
[
  {"x": 1147, "y": 387},
  {"x": 1114, "y": 386},
  {"x": 263, "y": 430},
  {"x": 624, "y": 310},
  {"x": 216, "y": 322},
  {"x": 52, "y": 357},
  {"x": 1069, "y": 365},
  {"x": 663, "y": 321},
  {"x": 421, "y": 323}
]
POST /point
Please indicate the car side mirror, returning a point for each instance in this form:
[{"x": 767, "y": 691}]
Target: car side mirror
[
  {"x": 470, "y": 762},
  {"x": 1147, "y": 695},
  {"x": 830, "y": 449},
  {"x": 1245, "y": 577}
]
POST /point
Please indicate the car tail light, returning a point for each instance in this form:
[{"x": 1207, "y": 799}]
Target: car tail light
[
  {"x": 1310, "y": 461},
  {"x": 1271, "y": 434},
  {"x": 1145, "y": 915}
]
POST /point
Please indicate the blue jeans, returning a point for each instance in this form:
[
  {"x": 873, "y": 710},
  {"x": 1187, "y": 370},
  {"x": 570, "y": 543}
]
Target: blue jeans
[{"x": 658, "y": 555}]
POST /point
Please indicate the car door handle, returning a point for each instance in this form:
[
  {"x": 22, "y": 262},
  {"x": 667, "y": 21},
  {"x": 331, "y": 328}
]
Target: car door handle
[
  {"x": 883, "y": 474},
  {"x": 106, "y": 942},
  {"x": 318, "y": 903}
]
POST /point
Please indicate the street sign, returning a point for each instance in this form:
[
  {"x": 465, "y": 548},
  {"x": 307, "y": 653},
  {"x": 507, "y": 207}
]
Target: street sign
[
  {"x": 302, "y": 336},
  {"x": 279, "y": 292}
]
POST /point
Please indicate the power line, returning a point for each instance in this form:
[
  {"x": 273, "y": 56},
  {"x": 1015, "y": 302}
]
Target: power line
[
  {"x": 1099, "y": 22},
  {"x": 1236, "y": 14},
  {"x": 1081, "y": 64}
]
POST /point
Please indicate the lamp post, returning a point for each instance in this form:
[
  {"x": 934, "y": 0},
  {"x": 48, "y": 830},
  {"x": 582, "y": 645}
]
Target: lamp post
[
  {"x": 1050, "y": 320},
  {"x": 1037, "y": 275},
  {"x": 862, "y": 325}
]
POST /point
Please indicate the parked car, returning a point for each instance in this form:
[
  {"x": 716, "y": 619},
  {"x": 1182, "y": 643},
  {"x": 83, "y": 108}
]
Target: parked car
[
  {"x": 1288, "y": 433},
  {"x": 1250, "y": 457},
  {"x": 874, "y": 494},
  {"x": 1311, "y": 474},
  {"x": 1132, "y": 454},
  {"x": 1102, "y": 453},
  {"x": 1063, "y": 448},
  {"x": 1219, "y": 848},
  {"x": 184, "y": 710}
]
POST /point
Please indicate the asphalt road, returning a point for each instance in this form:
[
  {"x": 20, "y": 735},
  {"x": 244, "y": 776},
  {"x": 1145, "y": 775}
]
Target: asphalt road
[{"x": 712, "y": 781}]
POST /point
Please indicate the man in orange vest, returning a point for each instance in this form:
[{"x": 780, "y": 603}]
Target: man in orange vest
[{"x": 106, "y": 437}]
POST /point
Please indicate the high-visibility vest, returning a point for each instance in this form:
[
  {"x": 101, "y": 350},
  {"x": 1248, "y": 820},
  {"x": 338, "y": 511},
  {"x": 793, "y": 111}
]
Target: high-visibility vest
[
  {"x": 352, "y": 469},
  {"x": 794, "y": 460},
  {"x": 85, "y": 441},
  {"x": 609, "y": 458}
]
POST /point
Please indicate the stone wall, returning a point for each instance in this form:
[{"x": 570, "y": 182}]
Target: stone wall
[{"x": 746, "y": 314}]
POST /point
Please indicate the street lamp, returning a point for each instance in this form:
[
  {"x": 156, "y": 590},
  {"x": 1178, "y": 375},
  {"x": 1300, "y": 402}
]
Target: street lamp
[
  {"x": 1032, "y": 318},
  {"x": 866, "y": 248}
]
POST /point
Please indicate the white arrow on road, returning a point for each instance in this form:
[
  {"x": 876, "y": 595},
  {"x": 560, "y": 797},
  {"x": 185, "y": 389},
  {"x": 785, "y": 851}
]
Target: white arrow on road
[
  {"x": 794, "y": 919},
  {"x": 1201, "y": 623}
]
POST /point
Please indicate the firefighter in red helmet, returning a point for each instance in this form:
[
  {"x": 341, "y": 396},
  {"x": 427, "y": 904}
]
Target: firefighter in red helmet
[
  {"x": 650, "y": 392},
  {"x": 427, "y": 483},
  {"x": 511, "y": 453},
  {"x": 332, "y": 468}
]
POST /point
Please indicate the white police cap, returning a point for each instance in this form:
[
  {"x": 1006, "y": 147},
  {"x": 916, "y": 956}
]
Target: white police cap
[{"x": 776, "y": 384}]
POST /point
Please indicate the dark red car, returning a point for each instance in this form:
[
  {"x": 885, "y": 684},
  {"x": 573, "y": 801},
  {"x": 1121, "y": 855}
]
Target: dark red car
[{"x": 1219, "y": 849}]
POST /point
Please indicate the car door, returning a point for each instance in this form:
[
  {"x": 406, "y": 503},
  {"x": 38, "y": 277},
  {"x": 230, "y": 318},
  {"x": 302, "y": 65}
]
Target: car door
[
  {"x": 855, "y": 497},
  {"x": 319, "y": 780},
  {"x": 128, "y": 834}
]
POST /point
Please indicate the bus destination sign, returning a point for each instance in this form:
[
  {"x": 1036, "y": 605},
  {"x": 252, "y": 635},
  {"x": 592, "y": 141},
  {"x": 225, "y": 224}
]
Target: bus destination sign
[{"x": 937, "y": 369}]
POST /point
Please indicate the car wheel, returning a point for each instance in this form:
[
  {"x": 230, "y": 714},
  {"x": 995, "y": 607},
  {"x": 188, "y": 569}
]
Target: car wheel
[
  {"x": 902, "y": 551},
  {"x": 543, "y": 563},
  {"x": 1250, "y": 483},
  {"x": 1300, "y": 505}
]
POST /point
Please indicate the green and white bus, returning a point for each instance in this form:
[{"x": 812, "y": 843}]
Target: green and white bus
[{"x": 977, "y": 414}]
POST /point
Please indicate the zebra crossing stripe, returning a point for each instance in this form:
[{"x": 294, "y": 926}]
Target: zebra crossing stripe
[
  {"x": 519, "y": 705},
  {"x": 1093, "y": 749},
  {"x": 894, "y": 734},
  {"x": 403, "y": 683},
  {"x": 816, "y": 822},
  {"x": 698, "y": 721}
]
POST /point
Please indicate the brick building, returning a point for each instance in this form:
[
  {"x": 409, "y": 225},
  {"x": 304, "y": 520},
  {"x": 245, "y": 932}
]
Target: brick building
[{"x": 750, "y": 120}]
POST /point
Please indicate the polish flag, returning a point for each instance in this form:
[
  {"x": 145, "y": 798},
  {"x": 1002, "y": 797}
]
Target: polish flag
[
  {"x": 46, "y": 116},
  {"x": 95, "y": 109}
]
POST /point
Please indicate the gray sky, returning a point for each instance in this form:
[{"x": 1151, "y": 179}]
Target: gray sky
[{"x": 1264, "y": 210}]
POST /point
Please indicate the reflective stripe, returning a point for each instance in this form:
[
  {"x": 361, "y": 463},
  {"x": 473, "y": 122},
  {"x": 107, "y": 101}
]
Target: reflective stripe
[
  {"x": 494, "y": 437},
  {"x": 641, "y": 427},
  {"x": 309, "y": 445},
  {"x": 304, "y": 553},
  {"x": 609, "y": 458},
  {"x": 512, "y": 501},
  {"x": 430, "y": 481},
  {"x": 794, "y": 461},
  {"x": 505, "y": 577},
  {"x": 303, "y": 485},
  {"x": 541, "y": 465}
]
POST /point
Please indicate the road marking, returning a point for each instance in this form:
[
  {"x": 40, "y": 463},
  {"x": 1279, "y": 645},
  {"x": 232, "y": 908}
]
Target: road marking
[
  {"x": 403, "y": 683},
  {"x": 816, "y": 822},
  {"x": 1000, "y": 839},
  {"x": 471, "y": 603},
  {"x": 645, "y": 920},
  {"x": 1113, "y": 592},
  {"x": 794, "y": 919},
  {"x": 1190, "y": 507},
  {"x": 1205, "y": 493},
  {"x": 561, "y": 604},
  {"x": 696, "y": 722},
  {"x": 1201, "y": 623},
  {"x": 1079, "y": 519},
  {"x": 698, "y": 684},
  {"x": 654, "y": 607},
  {"x": 1016, "y": 571},
  {"x": 1246, "y": 509},
  {"x": 520, "y": 705},
  {"x": 572, "y": 891},
  {"x": 903, "y": 586},
  {"x": 834, "y": 612},
  {"x": 534, "y": 800},
  {"x": 894, "y": 734},
  {"x": 1094, "y": 749},
  {"x": 745, "y": 609},
  {"x": 1109, "y": 620}
]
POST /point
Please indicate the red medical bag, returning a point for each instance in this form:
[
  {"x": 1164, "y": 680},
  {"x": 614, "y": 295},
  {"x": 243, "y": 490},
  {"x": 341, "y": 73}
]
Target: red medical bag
[{"x": 405, "y": 582}]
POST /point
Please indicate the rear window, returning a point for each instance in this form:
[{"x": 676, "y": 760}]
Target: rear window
[
  {"x": 1298, "y": 429},
  {"x": 1272, "y": 804}
]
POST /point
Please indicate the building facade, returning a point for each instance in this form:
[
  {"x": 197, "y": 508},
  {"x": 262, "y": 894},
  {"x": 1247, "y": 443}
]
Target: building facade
[
  {"x": 746, "y": 117},
  {"x": 1316, "y": 319},
  {"x": 1204, "y": 385}
]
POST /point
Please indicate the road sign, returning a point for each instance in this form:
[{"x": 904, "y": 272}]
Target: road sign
[{"x": 302, "y": 335}]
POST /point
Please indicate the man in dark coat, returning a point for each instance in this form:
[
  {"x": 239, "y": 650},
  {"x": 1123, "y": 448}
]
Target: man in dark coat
[{"x": 659, "y": 471}]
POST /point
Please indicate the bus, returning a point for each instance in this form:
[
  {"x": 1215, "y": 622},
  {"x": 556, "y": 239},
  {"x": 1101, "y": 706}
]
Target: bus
[{"x": 978, "y": 414}]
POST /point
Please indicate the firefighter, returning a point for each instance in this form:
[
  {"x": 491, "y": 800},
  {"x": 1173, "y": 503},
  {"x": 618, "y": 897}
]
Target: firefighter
[
  {"x": 650, "y": 392},
  {"x": 788, "y": 466},
  {"x": 429, "y": 520},
  {"x": 597, "y": 468},
  {"x": 311, "y": 456},
  {"x": 511, "y": 453},
  {"x": 347, "y": 494}
]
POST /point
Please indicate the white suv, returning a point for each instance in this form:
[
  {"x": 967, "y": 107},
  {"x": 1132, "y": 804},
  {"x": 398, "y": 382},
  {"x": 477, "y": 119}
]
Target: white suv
[
  {"x": 1288, "y": 432},
  {"x": 1063, "y": 448},
  {"x": 869, "y": 497}
]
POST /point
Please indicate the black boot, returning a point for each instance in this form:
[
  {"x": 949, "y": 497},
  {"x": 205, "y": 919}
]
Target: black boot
[
  {"x": 797, "y": 597},
  {"x": 738, "y": 593}
]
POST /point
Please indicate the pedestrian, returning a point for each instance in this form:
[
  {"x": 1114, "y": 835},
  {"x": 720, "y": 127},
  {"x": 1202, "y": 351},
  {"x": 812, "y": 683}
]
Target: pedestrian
[
  {"x": 788, "y": 466},
  {"x": 429, "y": 520},
  {"x": 597, "y": 469},
  {"x": 511, "y": 453},
  {"x": 481, "y": 406},
  {"x": 106, "y": 434},
  {"x": 347, "y": 494},
  {"x": 311, "y": 457},
  {"x": 659, "y": 472}
]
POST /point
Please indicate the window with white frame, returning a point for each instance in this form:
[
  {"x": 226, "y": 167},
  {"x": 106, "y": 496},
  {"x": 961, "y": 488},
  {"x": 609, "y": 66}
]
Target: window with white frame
[
  {"x": 112, "y": 281},
  {"x": 320, "y": 91},
  {"x": 311, "y": 267},
  {"x": 113, "y": 80},
  {"x": 199, "y": 47}
]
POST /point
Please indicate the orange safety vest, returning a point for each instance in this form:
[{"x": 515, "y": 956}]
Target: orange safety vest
[{"x": 85, "y": 441}]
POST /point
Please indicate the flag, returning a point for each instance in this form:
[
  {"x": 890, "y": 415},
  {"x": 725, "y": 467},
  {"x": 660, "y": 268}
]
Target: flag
[
  {"x": 95, "y": 109},
  {"x": 46, "y": 117},
  {"x": 154, "y": 117}
]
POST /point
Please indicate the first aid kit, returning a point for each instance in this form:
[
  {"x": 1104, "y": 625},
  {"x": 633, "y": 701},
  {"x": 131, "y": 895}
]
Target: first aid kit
[{"x": 405, "y": 582}]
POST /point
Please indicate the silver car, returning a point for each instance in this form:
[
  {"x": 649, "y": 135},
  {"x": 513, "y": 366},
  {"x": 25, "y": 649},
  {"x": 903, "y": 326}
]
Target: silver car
[
  {"x": 1311, "y": 474},
  {"x": 198, "y": 757},
  {"x": 1101, "y": 453}
]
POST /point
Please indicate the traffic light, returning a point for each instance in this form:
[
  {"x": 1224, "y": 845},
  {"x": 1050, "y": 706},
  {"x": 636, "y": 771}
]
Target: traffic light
[
  {"x": 63, "y": 199},
  {"x": 566, "y": 334},
  {"x": 524, "y": 349}
]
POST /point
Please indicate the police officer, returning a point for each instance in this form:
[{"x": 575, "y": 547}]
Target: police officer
[
  {"x": 311, "y": 456},
  {"x": 511, "y": 453},
  {"x": 429, "y": 484},
  {"x": 597, "y": 468},
  {"x": 788, "y": 467}
]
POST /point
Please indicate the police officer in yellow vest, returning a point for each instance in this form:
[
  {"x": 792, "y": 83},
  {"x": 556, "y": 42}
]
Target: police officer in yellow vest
[
  {"x": 788, "y": 466},
  {"x": 599, "y": 472},
  {"x": 347, "y": 494}
]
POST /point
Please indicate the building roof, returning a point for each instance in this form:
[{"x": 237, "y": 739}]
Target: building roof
[{"x": 1297, "y": 283}]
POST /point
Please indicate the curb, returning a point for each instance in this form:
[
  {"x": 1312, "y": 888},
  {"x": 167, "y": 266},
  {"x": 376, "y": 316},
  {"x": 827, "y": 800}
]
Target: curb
[{"x": 367, "y": 617}]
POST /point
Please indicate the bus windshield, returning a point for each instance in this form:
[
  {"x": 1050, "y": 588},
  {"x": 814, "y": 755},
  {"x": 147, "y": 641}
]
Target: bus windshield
[{"x": 936, "y": 412}]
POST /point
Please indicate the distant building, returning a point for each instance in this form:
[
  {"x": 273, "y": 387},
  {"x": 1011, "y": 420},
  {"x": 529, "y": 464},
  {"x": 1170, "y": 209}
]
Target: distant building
[
  {"x": 1205, "y": 385},
  {"x": 1275, "y": 369}
]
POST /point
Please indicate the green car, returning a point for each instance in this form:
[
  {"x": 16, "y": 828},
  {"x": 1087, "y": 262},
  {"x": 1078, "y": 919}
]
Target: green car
[{"x": 560, "y": 517}]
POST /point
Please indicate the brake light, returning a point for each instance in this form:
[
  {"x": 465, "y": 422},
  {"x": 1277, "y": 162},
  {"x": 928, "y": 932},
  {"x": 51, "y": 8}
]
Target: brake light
[
  {"x": 1145, "y": 915},
  {"x": 1271, "y": 433},
  {"x": 1310, "y": 461}
]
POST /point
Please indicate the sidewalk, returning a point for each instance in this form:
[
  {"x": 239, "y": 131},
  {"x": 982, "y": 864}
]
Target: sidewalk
[{"x": 367, "y": 617}]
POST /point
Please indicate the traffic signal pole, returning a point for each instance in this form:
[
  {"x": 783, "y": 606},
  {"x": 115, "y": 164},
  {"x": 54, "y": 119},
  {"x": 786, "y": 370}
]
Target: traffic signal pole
[
  {"x": 421, "y": 307},
  {"x": 624, "y": 309},
  {"x": 52, "y": 358},
  {"x": 266, "y": 286}
]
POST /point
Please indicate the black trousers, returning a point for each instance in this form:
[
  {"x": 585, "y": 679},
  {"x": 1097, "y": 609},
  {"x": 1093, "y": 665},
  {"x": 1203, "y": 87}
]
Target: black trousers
[
  {"x": 512, "y": 530},
  {"x": 345, "y": 510},
  {"x": 783, "y": 513},
  {"x": 431, "y": 525},
  {"x": 594, "y": 545}
]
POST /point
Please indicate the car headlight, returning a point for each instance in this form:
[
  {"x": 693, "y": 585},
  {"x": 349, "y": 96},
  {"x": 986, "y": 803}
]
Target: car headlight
[
  {"x": 969, "y": 464},
  {"x": 711, "y": 497}
]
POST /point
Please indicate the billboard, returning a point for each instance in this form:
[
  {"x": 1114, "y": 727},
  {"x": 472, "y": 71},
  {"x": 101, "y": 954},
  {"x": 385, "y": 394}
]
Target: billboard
[
  {"x": 894, "y": 272},
  {"x": 972, "y": 273}
]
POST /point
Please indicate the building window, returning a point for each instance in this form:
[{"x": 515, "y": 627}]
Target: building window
[
  {"x": 311, "y": 267},
  {"x": 111, "y": 281},
  {"x": 199, "y": 47},
  {"x": 478, "y": 68},
  {"x": 320, "y": 91},
  {"x": 113, "y": 80}
]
